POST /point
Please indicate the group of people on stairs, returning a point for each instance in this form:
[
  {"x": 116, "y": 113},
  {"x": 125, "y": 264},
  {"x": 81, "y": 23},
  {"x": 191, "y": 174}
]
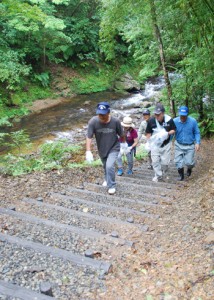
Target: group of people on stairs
[{"x": 115, "y": 139}]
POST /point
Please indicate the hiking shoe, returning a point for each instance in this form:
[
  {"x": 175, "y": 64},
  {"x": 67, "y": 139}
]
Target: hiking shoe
[
  {"x": 189, "y": 172},
  {"x": 155, "y": 179},
  {"x": 111, "y": 191},
  {"x": 120, "y": 172},
  {"x": 104, "y": 183},
  {"x": 150, "y": 167},
  {"x": 129, "y": 172}
]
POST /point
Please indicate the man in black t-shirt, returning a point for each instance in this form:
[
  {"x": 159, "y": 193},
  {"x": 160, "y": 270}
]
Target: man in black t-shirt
[{"x": 160, "y": 127}]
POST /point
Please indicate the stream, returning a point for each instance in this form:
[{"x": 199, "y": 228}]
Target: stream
[{"x": 69, "y": 119}]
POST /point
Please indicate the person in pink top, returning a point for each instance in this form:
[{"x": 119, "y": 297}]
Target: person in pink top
[{"x": 130, "y": 149}]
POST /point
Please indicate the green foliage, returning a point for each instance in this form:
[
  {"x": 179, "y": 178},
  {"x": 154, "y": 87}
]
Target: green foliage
[
  {"x": 43, "y": 78},
  {"x": 4, "y": 121},
  {"x": 206, "y": 127},
  {"x": 53, "y": 155},
  {"x": 15, "y": 165},
  {"x": 92, "y": 82},
  {"x": 13, "y": 112},
  {"x": 84, "y": 164},
  {"x": 15, "y": 139},
  {"x": 141, "y": 153},
  {"x": 12, "y": 70},
  {"x": 32, "y": 93},
  {"x": 57, "y": 151}
]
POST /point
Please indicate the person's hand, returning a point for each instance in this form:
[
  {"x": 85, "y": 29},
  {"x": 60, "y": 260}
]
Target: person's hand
[
  {"x": 197, "y": 147},
  {"x": 89, "y": 157},
  {"x": 123, "y": 148}
]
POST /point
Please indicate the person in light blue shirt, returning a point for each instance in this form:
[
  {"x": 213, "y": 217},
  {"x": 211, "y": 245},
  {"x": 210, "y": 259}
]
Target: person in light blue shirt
[{"x": 187, "y": 141}]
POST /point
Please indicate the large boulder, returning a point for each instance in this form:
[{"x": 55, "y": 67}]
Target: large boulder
[{"x": 127, "y": 83}]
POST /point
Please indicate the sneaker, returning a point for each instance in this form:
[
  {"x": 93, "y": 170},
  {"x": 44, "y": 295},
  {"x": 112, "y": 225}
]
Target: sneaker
[
  {"x": 111, "y": 191},
  {"x": 150, "y": 167},
  {"x": 104, "y": 183},
  {"x": 120, "y": 172},
  {"x": 129, "y": 172},
  {"x": 155, "y": 179}
]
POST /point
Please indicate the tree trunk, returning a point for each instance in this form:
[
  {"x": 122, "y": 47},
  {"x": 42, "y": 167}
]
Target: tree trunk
[{"x": 162, "y": 56}]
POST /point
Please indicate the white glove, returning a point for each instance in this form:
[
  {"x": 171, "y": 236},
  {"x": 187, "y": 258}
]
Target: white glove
[
  {"x": 123, "y": 148},
  {"x": 89, "y": 157},
  {"x": 129, "y": 149}
]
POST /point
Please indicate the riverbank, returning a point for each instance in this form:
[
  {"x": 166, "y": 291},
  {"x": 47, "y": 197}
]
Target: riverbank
[{"x": 39, "y": 105}]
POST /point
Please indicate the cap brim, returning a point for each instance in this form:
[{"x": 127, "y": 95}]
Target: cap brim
[
  {"x": 126, "y": 125},
  {"x": 157, "y": 112},
  {"x": 102, "y": 112},
  {"x": 183, "y": 114}
]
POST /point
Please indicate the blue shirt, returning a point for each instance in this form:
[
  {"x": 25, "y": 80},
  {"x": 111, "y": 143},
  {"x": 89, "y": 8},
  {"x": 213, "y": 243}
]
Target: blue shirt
[{"x": 187, "y": 132}]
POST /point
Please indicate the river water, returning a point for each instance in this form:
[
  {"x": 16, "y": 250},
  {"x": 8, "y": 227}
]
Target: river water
[{"x": 69, "y": 119}]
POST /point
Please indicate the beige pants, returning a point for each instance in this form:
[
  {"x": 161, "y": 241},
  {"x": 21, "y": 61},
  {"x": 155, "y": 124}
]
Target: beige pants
[{"x": 161, "y": 159}]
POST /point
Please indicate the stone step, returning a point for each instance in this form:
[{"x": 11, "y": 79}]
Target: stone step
[
  {"x": 58, "y": 253},
  {"x": 103, "y": 224},
  {"x": 131, "y": 192},
  {"x": 65, "y": 229},
  {"x": 100, "y": 208},
  {"x": 15, "y": 291},
  {"x": 117, "y": 200}
]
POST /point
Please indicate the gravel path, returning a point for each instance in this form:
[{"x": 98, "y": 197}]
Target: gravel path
[{"x": 158, "y": 237}]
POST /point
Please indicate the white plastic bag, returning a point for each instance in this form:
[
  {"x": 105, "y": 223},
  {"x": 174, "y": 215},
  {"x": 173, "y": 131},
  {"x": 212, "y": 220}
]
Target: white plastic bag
[
  {"x": 147, "y": 146},
  {"x": 158, "y": 137}
]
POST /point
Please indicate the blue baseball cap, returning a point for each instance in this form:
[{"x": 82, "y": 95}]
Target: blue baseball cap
[
  {"x": 183, "y": 111},
  {"x": 103, "y": 108}
]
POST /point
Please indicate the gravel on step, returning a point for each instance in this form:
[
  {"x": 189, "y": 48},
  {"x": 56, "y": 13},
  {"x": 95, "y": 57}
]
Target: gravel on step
[{"x": 69, "y": 281}]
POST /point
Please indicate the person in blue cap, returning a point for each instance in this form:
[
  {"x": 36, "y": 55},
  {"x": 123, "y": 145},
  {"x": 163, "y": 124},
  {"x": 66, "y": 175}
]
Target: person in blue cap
[
  {"x": 187, "y": 141},
  {"x": 107, "y": 130}
]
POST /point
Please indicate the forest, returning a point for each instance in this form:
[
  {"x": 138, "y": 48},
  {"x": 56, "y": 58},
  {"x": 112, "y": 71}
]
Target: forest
[
  {"x": 100, "y": 36},
  {"x": 101, "y": 39}
]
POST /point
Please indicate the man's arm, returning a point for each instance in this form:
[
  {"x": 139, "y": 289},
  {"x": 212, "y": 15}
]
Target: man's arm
[
  {"x": 197, "y": 136},
  {"x": 88, "y": 144},
  {"x": 172, "y": 127}
]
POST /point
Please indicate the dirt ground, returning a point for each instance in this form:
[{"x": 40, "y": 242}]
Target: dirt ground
[{"x": 173, "y": 260}]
